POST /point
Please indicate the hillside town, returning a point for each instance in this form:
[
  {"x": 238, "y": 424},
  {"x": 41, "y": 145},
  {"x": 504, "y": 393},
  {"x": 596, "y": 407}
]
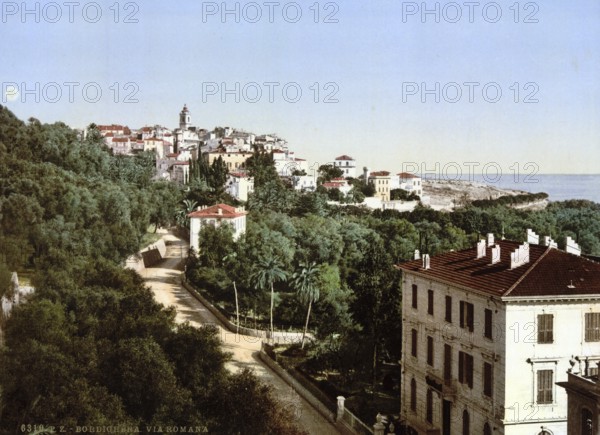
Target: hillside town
[{"x": 175, "y": 149}]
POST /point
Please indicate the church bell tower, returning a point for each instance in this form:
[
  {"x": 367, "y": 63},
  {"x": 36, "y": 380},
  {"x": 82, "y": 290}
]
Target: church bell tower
[{"x": 185, "y": 118}]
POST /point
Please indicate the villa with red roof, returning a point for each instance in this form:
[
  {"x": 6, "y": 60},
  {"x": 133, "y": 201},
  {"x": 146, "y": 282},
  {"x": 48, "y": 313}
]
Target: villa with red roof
[
  {"x": 489, "y": 331},
  {"x": 347, "y": 164},
  {"x": 216, "y": 215}
]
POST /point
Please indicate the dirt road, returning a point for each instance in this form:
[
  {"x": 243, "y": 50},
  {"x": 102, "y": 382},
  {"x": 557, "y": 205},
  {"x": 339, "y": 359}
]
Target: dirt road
[{"x": 164, "y": 280}]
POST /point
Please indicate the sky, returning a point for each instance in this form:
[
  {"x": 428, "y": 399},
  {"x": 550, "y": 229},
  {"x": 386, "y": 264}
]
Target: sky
[{"x": 426, "y": 86}]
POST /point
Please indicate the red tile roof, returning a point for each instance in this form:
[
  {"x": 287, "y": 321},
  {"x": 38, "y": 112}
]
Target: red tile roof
[
  {"x": 110, "y": 127},
  {"x": 379, "y": 174},
  {"x": 407, "y": 175},
  {"x": 550, "y": 272},
  {"x": 227, "y": 212},
  {"x": 344, "y": 157}
]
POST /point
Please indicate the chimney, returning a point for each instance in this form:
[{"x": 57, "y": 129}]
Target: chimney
[
  {"x": 490, "y": 239},
  {"x": 520, "y": 256},
  {"x": 549, "y": 242},
  {"x": 572, "y": 247},
  {"x": 532, "y": 238},
  {"x": 219, "y": 211},
  {"x": 417, "y": 254},
  {"x": 426, "y": 262},
  {"x": 481, "y": 249},
  {"x": 496, "y": 254}
]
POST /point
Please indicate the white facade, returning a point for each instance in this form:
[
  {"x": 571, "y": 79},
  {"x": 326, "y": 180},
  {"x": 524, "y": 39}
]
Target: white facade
[
  {"x": 239, "y": 186},
  {"x": 347, "y": 164},
  {"x": 512, "y": 349},
  {"x": 216, "y": 215},
  {"x": 411, "y": 183},
  {"x": 286, "y": 163}
]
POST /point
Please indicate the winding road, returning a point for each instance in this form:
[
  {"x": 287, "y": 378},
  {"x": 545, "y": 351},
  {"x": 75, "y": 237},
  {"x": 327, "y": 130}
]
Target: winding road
[{"x": 164, "y": 280}]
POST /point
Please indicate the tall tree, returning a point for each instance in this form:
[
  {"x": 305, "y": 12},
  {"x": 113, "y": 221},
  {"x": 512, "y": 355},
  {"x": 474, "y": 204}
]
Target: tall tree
[
  {"x": 267, "y": 272},
  {"x": 306, "y": 282}
]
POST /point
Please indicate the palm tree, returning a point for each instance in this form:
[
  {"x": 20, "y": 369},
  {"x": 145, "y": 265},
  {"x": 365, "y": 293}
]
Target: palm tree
[
  {"x": 306, "y": 283},
  {"x": 229, "y": 260},
  {"x": 266, "y": 272},
  {"x": 181, "y": 216}
]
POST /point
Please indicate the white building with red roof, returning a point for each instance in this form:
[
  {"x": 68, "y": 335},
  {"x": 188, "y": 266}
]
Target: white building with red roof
[
  {"x": 216, "y": 215},
  {"x": 239, "y": 185},
  {"x": 347, "y": 164},
  {"x": 488, "y": 331},
  {"x": 410, "y": 182}
]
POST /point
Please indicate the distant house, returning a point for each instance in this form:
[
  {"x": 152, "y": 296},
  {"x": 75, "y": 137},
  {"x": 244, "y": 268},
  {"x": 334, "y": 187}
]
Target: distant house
[
  {"x": 239, "y": 185},
  {"x": 286, "y": 163},
  {"x": 216, "y": 215},
  {"x": 487, "y": 333},
  {"x": 347, "y": 164},
  {"x": 234, "y": 160},
  {"x": 411, "y": 183},
  {"x": 340, "y": 184},
  {"x": 381, "y": 180}
]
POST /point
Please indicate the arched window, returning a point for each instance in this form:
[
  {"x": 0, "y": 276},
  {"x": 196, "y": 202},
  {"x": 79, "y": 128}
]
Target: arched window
[
  {"x": 466, "y": 423},
  {"x": 487, "y": 430},
  {"x": 587, "y": 422},
  {"x": 413, "y": 395}
]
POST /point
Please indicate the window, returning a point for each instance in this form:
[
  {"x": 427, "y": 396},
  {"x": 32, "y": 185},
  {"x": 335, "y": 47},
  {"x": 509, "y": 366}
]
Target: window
[
  {"x": 447, "y": 362},
  {"x": 487, "y": 330},
  {"x": 429, "y": 406},
  {"x": 466, "y": 315},
  {"x": 465, "y": 369},
  {"x": 545, "y": 325},
  {"x": 592, "y": 326},
  {"x": 430, "y": 351},
  {"x": 413, "y": 349},
  {"x": 449, "y": 309},
  {"x": 414, "y": 296},
  {"x": 413, "y": 395},
  {"x": 487, "y": 430},
  {"x": 544, "y": 386},
  {"x": 487, "y": 379},
  {"x": 587, "y": 422},
  {"x": 430, "y": 302},
  {"x": 466, "y": 430}
]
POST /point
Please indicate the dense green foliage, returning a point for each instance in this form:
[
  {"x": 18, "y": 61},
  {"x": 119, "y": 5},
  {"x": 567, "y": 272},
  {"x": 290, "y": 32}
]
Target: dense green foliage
[
  {"x": 523, "y": 198},
  {"x": 356, "y": 319},
  {"x": 92, "y": 347},
  {"x": 401, "y": 194}
]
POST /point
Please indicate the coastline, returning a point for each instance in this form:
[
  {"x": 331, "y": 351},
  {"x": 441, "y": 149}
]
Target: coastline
[{"x": 447, "y": 194}]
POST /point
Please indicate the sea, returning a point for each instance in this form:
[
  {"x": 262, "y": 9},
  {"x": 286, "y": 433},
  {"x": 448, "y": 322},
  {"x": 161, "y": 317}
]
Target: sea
[{"x": 558, "y": 187}]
